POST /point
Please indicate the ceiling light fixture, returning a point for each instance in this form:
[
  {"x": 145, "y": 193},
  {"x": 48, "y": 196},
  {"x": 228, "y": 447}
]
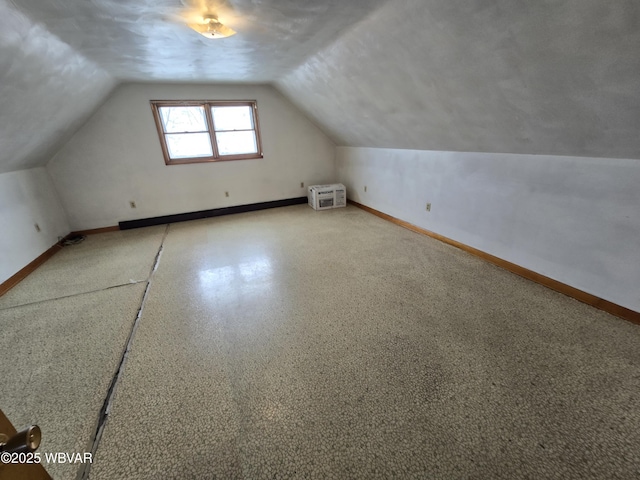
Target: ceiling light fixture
[{"x": 212, "y": 28}]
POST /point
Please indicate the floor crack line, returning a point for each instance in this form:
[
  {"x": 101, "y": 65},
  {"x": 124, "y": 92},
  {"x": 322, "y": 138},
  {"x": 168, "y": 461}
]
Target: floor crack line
[{"x": 84, "y": 472}]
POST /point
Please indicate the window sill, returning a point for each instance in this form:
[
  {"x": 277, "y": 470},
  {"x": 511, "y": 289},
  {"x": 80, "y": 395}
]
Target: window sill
[{"x": 226, "y": 158}]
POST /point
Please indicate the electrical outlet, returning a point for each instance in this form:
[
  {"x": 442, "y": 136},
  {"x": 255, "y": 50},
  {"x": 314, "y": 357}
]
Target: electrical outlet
[
  {"x": 132, "y": 204},
  {"x": 37, "y": 227},
  {"x": 226, "y": 194},
  {"x": 428, "y": 207},
  {"x": 365, "y": 189},
  {"x": 301, "y": 184}
]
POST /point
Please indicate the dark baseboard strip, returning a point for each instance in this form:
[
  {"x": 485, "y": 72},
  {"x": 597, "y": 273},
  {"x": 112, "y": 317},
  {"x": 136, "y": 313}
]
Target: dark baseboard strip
[
  {"x": 93, "y": 231},
  {"x": 600, "y": 303},
  {"x": 216, "y": 212},
  {"x": 22, "y": 274}
]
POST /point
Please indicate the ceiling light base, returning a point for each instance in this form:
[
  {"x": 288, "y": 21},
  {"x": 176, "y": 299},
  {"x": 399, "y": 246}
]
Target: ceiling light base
[{"x": 212, "y": 28}]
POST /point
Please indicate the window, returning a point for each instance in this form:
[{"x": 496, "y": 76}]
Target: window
[{"x": 203, "y": 131}]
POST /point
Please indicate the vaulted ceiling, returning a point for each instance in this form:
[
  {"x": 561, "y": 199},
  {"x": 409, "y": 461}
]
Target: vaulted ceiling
[
  {"x": 558, "y": 77},
  {"x": 59, "y": 59},
  {"x": 553, "y": 77},
  {"x": 148, "y": 40}
]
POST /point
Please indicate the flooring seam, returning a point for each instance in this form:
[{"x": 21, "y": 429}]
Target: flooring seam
[
  {"x": 103, "y": 417},
  {"x": 135, "y": 282}
]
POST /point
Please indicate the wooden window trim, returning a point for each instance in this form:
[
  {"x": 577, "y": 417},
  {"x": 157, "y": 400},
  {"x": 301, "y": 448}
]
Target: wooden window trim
[{"x": 207, "y": 104}]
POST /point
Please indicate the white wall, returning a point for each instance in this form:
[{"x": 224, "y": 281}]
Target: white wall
[
  {"x": 116, "y": 157},
  {"x": 576, "y": 220},
  {"x": 28, "y": 197}
]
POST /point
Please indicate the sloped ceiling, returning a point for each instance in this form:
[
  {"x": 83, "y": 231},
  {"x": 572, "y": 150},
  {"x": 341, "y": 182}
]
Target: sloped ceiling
[
  {"x": 542, "y": 77},
  {"x": 148, "y": 40},
  {"x": 47, "y": 90},
  {"x": 59, "y": 59},
  {"x": 548, "y": 77}
]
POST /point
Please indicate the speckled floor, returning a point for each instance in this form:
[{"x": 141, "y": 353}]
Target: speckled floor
[
  {"x": 107, "y": 260},
  {"x": 290, "y": 343}
]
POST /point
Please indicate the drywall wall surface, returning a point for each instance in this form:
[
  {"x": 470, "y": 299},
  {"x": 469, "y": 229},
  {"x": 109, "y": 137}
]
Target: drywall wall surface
[
  {"x": 116, "y": 158},
  {"x": 27, "y": 198},
  {"x": 557, "y": 78},
  {"x": 47, "y": 90},
  {"x": 576, "y": 220}
]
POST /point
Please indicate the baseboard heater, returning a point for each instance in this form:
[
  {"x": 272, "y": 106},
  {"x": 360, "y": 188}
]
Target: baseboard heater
[{"x": 216, "y": 212}]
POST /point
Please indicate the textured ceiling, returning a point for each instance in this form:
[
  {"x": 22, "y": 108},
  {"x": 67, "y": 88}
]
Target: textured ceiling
[
  {"x": 148, "y": 40},
  {"x": 548, "y": 77},
  {"x": 47, "y": 90},
  {"x": 59, "y": 59},
  {"x": 543, "y": 77}
]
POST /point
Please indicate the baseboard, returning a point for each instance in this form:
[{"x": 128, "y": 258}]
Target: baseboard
[
  {"x": 597, "y": 302},
  {"x": 30, "y": 268},
  {"x": 93, "y": 231},
  {"x": 216, "y": 212},
  {"x": 22, "y": 274},
  {"x": 145, "y": 222}
]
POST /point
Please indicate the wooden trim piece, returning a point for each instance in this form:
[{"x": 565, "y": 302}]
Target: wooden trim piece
[
  {"x": 22, "y": 274},
  {"x": 256, "y": 127},
  {"x": 212, "y": 129},
  {"x": 30, "y": 268},
  {"x": 160, "y": 128},
  {"x": 225, "y": 158},
  {"x": 92, "y": 231},
  {"x": 589, "y": 299}
]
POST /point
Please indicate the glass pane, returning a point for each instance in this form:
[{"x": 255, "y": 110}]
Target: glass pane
[
  {"x": 232, "y": 143},
  {"x": 232, "y": 118},
  {"x": 187, "y": 145},
  {"x": 183, "y": 119}
]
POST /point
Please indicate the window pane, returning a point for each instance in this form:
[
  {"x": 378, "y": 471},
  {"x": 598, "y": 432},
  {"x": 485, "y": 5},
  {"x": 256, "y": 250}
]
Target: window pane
[
  {"x": 183, "y": 119},
  {"x": 232, "y": 118},
  {"x": 232, "y": 143},
  {"x": 187, "y": 145}
]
